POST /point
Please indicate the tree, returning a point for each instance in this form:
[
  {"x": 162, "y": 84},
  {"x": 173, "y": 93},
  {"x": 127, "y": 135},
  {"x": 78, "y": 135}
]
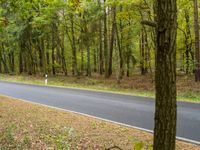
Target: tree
[
  {"x": 197, "y": 54},
  {"x": 101, "y": 61},
  {"x": 105, "y": 40},
  {"x": 112, "y": 38},
  {"x": 63, "y": 37},
  {"x": 165, "y": 75}
]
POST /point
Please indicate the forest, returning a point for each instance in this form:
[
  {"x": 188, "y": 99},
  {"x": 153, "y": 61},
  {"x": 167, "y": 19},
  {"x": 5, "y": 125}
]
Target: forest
[
  {"x": 87, "y": 37},
  {"x": 106, "y": 39}
]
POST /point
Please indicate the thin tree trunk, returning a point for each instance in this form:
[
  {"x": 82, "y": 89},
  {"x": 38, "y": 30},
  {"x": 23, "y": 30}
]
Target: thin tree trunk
[
  {"x": 128, "y": 57},
  {"x": 112, "y": 40},
  {"x": 64, "y": 65},
  {"x": 21, "y": 68},
  {"x": 88, "y": 61},
  {"x": 101, "y": 61},
  {"x": 105, "y": 41},
  {"x": 121, "y": 61},
  {"x": 53, "y": 50},
  {"x": 95, "y": 60},
  {"x": 3, "y": 59},
  {"x": 82, "y": 60},
  {"x": 47, "y": 54},
  {"x": 119, "y": 44},
  {"x": 165, "y": 76},
  {"x": 188, "y": 41},
  {"x": 143, "y": 53},
  {"x": 196, "y": 28},
  {"x": 74, "y": 59}
]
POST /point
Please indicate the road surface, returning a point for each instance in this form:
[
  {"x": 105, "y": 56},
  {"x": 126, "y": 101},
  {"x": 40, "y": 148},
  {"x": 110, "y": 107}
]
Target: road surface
[{"x": 129, "y": 110}]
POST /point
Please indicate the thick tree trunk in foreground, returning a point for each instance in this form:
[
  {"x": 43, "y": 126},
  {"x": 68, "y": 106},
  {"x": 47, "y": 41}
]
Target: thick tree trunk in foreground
[
  {"x": 196, "y": 28},
  {"x": 165, "y": 76}
]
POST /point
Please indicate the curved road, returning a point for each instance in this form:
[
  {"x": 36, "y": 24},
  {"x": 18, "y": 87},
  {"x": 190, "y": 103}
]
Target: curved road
[{"x": 129, "y": 110}]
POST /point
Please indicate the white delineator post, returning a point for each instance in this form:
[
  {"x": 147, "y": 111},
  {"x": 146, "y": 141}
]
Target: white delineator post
[{"x": 46, "y": 79}]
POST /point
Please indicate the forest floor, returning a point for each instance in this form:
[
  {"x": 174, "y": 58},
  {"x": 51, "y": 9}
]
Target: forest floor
[
  {"x": 29, "y": 126},
  {"x": 187, "y": 88}
]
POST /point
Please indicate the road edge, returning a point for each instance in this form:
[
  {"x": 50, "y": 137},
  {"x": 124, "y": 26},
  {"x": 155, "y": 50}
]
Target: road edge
[{"x": 99, "y": 118}]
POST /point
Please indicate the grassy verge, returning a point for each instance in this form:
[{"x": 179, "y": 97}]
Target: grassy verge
[
  {"x": 29, "y": 126},
  {"x": 188, "y": 89}
]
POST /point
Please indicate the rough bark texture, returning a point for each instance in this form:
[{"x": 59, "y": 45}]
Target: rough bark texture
[
  {"x": 165, "y": 76},
  {"x": 196, "y": 28}
]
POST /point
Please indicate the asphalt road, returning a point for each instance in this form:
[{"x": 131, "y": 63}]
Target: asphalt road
[{"x": 129, "y": 110}]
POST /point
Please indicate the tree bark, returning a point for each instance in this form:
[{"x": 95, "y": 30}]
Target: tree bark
[
  {"x": 105, "y": 41},
  {"x": 165, "y": 76},
  {"x": 196, "y": 28},
  {"x": 142, "y": 53},
  {"x": 88, "y": 61},
  {"x": 62, "y": 46},
  {"x": 21, "y": 68},
  {"x": 95, "y": 59},
  {"x": 101, "y": 61},
  {"x": 74, "y": 57},
  {"x": 188, "y": 41},
  {"x": 53, "y": 50},
  {"x": 112, "y": 40},
  {"x": 119, "y": 45}
]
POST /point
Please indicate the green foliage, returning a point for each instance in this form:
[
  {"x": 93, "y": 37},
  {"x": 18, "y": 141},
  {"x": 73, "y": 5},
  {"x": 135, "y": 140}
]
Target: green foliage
[
  {"x": 31, "y": 30},
  {"x": 138, "y": 146}
]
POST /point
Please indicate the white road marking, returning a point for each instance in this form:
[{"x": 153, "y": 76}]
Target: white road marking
[{"x": 115, "y": 122}]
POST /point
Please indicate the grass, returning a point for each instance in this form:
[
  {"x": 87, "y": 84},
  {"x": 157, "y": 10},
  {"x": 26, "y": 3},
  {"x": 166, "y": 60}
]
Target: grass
[
  {"x": 29, "y": 126},
  {"x": 187, "y": 88}
]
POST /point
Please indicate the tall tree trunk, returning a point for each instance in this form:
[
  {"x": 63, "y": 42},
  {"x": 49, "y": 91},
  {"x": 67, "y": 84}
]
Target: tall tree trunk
[
  {"x": 143, "y": 53},
  {"x": 112, "y": 40},
  {"x": 64, "y": 65},
  {"x": 165, "y": 76},
  {"x": 41, "y": 55},
  {"x": 3, "y": 59},
  {"x": 21, "y": 68},
  {"x": 82, "y": 60},
  {"x": 53, "y": 50},
  {"x": 121, "y": 60},
  {"x": 74, "y": 59},
  {"x": 12, "y": 61},
  {"x": 128, "y": 57},
  {"x": 196, "y": 28},
  {"x": 95, "y": 60},
  {"x": 105, "y": 41},
  {"x": 188, "y": 41},
  {"x": 101, "y": 61},
  {"x": 88, "y": 61},
  {"x": 47, "y": 55}
]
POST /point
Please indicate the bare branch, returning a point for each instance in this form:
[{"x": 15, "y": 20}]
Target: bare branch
[{"x": 149, "y": 23}]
